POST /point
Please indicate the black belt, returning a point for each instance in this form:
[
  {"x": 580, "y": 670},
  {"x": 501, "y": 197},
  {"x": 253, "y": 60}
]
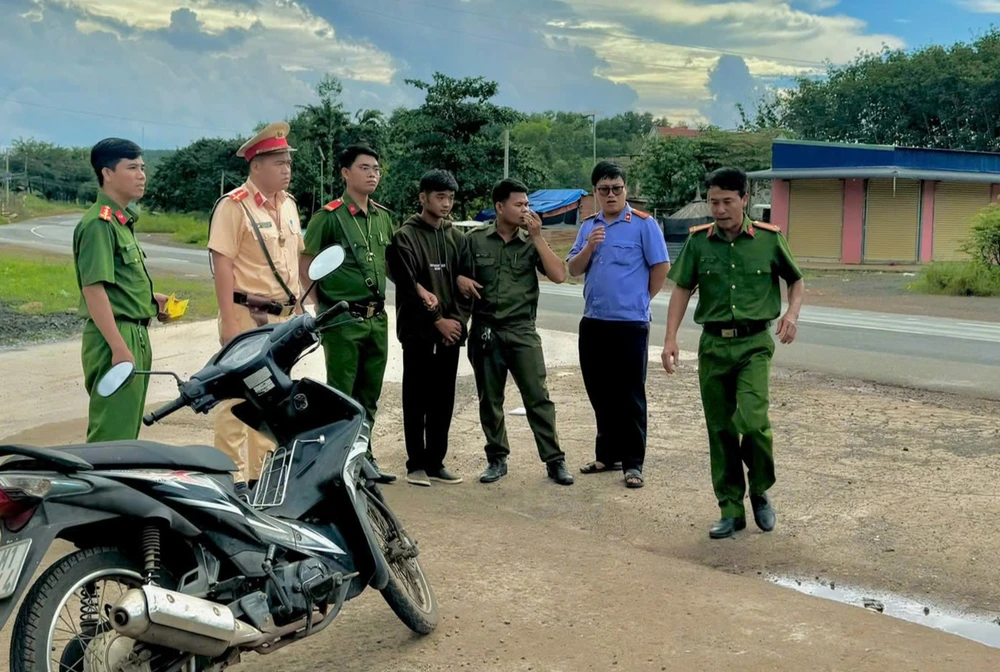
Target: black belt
[
  {"x": 735, "y": 329},
  {"x": 366, "y": 309},
  {"x": 273, "y": 308},
  {"x": 144, "y": 322}
]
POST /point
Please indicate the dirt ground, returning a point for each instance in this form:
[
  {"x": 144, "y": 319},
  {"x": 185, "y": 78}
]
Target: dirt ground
[{"x": 878, "y": 487}]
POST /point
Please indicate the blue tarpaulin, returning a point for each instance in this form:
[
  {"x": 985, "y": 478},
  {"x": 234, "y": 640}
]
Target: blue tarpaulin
[{"x": 543, "y": 201}]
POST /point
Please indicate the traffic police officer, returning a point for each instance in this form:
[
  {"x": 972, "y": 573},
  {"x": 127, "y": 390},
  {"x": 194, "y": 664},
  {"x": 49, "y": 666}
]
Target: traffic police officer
[
  {"x": 255, "y": 240},
  {"x": 116, "y": 291},
  {"x": 736, "y": 265},
  {"x": 505, "y": 257},
  {"x": 356, "y": 354}
]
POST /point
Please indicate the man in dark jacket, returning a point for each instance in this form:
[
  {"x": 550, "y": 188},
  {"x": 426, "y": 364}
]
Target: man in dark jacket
[{"x": 431, "y": 317}]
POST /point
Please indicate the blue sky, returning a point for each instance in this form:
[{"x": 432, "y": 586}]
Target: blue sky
[{"x": 165, "y": 73}]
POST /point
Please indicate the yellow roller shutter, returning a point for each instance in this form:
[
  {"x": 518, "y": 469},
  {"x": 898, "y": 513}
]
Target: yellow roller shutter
[
  {"x": 955, "y": 204},
  {"x": 815, "y": 218},
  {"x": 892, "y": 220}
]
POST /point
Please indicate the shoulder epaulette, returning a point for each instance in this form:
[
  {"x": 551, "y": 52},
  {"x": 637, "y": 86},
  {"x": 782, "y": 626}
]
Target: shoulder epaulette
[
  {"x": 700, "y": 227},
  {"x": 291, "y": 197},
  {"x": 379, "y": 205},
  {"x": 105, "y": 213},
  {"x": 593, "y": 216},
  {"x": 239, "y": 195},
  {"x": 641, "y": 214},
  {"x": 767, "y": 227},
  {"x": 333, "y": 205}
]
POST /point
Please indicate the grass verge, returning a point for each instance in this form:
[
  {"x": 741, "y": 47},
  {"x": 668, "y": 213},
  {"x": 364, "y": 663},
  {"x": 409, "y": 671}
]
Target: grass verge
[
  {"x": 39, "y": 298},
  {"x": 186, "y": 228},
  {"x": 958, "y": 278},
  {"x": 29, "y": 206}
]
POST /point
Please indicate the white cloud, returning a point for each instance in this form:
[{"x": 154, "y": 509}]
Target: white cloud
[{"x": 981, "y": 6}]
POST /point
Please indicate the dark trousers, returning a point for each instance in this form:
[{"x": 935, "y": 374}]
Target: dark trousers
[
  {"x": 613, "y": 357},
  {"x": 429, "y": 377},
  {"x": 521, "y": 355}
]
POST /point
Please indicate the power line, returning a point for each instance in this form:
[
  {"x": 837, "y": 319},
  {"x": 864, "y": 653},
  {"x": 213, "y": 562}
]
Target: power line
[{"x": 632, "y": 38}]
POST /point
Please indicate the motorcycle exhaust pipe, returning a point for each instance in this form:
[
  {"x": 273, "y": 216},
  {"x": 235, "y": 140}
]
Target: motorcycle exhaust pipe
[{"x": 153, "y": 615}]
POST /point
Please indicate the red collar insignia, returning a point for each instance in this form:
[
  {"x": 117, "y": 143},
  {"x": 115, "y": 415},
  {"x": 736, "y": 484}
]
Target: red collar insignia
[
  {"x": 353, "y": 209},
  {"x": 121, "y": 218},
  {"x": 750, "y": 231},
  {"x": 259, "y": 199},
  {"x": 628, "y": 216}
]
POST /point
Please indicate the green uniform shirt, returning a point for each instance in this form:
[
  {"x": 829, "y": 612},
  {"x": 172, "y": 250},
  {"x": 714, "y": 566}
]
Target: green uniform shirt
[
  {"x": 738, "y": 279},
  {"x": 507, "y": 272},
  {"x": 106, "y": 251},
  {"x": 364, "y": 238}
]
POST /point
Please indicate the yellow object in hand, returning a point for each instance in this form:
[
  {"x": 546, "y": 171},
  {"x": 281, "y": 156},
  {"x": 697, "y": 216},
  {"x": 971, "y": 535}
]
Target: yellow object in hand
[{"x": 174, "y": 308}]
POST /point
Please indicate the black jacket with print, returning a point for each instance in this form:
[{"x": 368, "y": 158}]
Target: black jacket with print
[{"x": 434, "y": 258}]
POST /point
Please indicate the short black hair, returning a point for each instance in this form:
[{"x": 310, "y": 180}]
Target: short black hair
[
  {"x": 438, "y": 180},
  {"x": 727, "y": 179},
  {"x": 352, "y": 152},
  {"x": 606, "y": 170},
  {"x": 505, "y": 187},
  {"x": 108, "y": 152}
]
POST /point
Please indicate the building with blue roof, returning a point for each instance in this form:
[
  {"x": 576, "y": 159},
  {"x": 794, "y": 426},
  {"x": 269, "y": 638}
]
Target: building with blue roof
[
  {"x": 555, "y": 206},
  {"x": 878, "y": 204}
]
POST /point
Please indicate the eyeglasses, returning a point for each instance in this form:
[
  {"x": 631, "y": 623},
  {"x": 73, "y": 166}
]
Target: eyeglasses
[
  {"x": 365, "y": 168},
  {"x": 616, "y": 190}
]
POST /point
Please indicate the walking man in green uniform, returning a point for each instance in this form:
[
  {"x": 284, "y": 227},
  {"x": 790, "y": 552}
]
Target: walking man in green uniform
[
  {"x": 736, "y": 265},
  {"x": 505, "y": 257},
  {"x": 356, "y": 354},
  {"x": 116, "y": 291}
]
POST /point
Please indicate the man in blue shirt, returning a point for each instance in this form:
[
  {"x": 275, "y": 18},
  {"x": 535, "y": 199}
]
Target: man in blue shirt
[{"x": 624, "y": 256}]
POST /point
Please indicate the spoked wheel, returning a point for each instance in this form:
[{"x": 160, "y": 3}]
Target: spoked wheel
[
  {"x": 408, "y": 593},
  {"x": 63, "y": 624}
]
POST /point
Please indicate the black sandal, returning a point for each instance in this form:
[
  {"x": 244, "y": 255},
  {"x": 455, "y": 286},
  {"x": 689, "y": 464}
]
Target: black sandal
[
  {"x": 633, "y": 478},
  {"x": 592, "y": 468}
]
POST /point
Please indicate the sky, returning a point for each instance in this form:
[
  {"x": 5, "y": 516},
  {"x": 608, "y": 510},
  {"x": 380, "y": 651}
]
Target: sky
[{"x": 166, "y": 72}]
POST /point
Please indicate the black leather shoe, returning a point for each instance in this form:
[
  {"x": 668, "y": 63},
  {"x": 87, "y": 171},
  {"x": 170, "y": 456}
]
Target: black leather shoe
[
  {"x": 763, "y": 512},
  {"x": 559, "y": 473},
  {"x": 495, "y": 470},
  {"x": 727, "y": 527}
]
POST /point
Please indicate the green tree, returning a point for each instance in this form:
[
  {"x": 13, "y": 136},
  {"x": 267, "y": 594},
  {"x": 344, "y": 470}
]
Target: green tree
[
  {"x": 457, "y": 128},
  {"x": 53, "y": 172},
  {"x": 938, "y": 97},
  {"x": 192, "y": 178}
]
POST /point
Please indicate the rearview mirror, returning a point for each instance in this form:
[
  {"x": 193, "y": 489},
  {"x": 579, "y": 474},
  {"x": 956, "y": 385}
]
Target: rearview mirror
[
  {"x": 115, "y": 379},
  {"x": 326, "y": 262}
]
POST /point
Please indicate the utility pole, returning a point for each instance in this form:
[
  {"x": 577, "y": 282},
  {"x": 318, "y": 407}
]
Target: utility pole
[
  {"x": 506, "y": 153},
  {"x": 222, "y": 184},
  {"x": 322, "y": 175},
  {"x": 6, "y": 179},
  {"x": 593, "y": 115}
]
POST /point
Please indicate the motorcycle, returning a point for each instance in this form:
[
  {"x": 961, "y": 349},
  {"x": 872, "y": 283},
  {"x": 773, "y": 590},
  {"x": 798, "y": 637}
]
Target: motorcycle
[{"x": 204, "y": 575}]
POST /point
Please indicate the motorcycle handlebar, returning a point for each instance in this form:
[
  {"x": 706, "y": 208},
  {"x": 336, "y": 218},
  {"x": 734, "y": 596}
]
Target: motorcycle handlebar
[
  {"x": 323, "y": 318},
  {"x": 163, "y": 411}
]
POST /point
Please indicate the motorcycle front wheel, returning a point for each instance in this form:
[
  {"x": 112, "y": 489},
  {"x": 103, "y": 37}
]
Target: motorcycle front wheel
[{"x": 408, "y": 592}]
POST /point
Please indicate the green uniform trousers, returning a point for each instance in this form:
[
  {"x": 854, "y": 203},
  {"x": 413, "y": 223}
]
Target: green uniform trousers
[
  {"x": 491, "y": 359},
  {"x": 356, "y": 355},
  {"x": 734, "y": 375},
  {"x": 119, "y": 416}
]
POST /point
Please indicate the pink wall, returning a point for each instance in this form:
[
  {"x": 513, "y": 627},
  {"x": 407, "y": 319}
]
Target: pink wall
[
  {"x": 927, "y": 221},
  {"x": 994, "y": 193},
  {"x": 852, "y": 232},
  {"x": 779, "y": 204}
]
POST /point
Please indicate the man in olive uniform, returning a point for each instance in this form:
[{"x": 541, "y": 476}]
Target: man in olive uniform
[
  {"x": 116, "y": 291},
  {"x": 505, "y": 256},
  {"x": 255, "y": 240},
  {"x": 356, "y": 354},
  {"x": 736, "y": 265}
]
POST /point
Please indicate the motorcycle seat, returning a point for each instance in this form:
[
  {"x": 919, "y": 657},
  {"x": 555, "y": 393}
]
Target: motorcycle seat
[{"x": 111, "y": 455}]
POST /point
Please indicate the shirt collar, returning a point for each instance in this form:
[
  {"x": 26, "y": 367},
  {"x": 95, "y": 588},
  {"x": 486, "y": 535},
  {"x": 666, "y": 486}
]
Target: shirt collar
[
  {"x": 119, "y": 214},
  {"x": 520, "y": 235},
  {"x": 352, "y": 205},
  {"x": 746, "y": 229},
  {"x": 259, "y": 199},
  {"x": 624, "y": 216}
]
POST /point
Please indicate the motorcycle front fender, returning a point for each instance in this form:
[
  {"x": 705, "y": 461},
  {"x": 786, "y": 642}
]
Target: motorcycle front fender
[{"x": 380, "y": 575}]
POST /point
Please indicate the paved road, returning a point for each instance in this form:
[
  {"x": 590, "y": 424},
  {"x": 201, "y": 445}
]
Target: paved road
[{"x": 923, "y": 352}]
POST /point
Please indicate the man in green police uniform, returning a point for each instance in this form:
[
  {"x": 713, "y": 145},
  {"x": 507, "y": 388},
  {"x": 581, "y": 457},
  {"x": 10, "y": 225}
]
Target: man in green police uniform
[
  {"x": 116, "y": 291},
  {"x": 356, "y": 354},
  {"x": 505, "y": 256},
  {"x": 736, "y": 265}
]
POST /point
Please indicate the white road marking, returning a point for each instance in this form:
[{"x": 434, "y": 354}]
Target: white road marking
[{"x": 34, "y": 231}]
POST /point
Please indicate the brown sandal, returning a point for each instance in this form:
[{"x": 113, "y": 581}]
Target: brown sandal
[
  {"x": 633, "y": 478},
  {"x": 592, "y": 468}
]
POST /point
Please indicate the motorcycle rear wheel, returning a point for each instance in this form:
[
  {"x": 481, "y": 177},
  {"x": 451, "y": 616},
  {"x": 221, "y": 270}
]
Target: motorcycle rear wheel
[{"x": 408, "y": 592}]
